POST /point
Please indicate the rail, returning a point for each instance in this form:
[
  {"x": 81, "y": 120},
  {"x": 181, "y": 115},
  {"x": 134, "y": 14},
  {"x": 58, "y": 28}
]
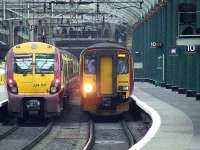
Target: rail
[
  {"x": 129, "y": 134},
  {"x": 7, "y": 133},
  {"x": 39, "y": 137},
  {"x": 90, "y": 142}
]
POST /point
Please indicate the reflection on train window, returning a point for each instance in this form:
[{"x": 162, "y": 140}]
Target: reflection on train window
[
  {"x": 44, "y": 63},
  {"x": 23, "y": 64},
  {"x": 90, "y": 64},
  {"x": 122, "y": 66}
]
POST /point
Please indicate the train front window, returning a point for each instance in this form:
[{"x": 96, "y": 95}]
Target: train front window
[
  {"x": 122, "y": 65},
  {"x": 90, "y": 64},
  {"x": 23, "y": 64},
  {"x": 44, "y": 63}
]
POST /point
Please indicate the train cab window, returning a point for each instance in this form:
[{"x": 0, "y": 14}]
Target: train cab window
[
  {"x": 122, "y": 65},
  {"x": 90, "y": 64},
  {"x": 23, "y": 64},
  {"x": 44, "y": 63}
]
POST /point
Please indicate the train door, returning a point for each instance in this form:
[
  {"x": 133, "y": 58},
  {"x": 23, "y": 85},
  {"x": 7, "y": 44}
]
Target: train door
[
  {"x": 106, "y": 72},
  {"x": 106, "y": 75}
]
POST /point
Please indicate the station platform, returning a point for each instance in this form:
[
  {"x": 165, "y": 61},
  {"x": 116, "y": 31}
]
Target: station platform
[
  {"x": 179, "y": 115},
  {"x": 3, "y": 96}
]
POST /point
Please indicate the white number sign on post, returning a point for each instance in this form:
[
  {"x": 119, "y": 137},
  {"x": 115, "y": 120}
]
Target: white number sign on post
[{"x": 191, "y": 48}]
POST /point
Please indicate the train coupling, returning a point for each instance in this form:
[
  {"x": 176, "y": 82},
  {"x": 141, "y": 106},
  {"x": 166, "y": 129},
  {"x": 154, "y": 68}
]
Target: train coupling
[
  {"x": 32, "y": 106},
  {"x": 106, "y": 102}
]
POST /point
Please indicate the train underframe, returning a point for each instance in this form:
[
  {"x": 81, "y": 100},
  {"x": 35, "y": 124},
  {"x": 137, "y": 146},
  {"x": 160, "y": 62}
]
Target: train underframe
[
  {"x": 105, "y": 105},
  {"x": 41, "y": 106}
]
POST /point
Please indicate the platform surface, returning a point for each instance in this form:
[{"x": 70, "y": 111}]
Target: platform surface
[
  {"x": 180, "y": 118},
  {"x": 3, "y": 95}
]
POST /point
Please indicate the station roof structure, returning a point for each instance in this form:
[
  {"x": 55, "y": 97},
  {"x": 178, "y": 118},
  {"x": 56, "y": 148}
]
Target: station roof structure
[{"x": 123, "y": 12}]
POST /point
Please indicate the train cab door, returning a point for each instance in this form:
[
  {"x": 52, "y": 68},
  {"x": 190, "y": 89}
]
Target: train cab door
[{"x": 106, "y": 75}]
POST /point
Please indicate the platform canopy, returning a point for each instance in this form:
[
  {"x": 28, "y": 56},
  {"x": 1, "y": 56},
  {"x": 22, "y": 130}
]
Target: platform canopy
[{"x": 124, "y": 12}]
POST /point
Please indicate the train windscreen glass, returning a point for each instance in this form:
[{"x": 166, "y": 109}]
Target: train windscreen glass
[
  {"x": 90, "y": 64},
  {"x": 44, "y": 63},
  {"x": 23, "y": 64},
  {"x": 122, "y": 65}
]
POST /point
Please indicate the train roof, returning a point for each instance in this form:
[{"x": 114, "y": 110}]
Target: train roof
[
  {"x": 106, "y": 45},
  {"x": 65, "y": 52},
  {"x": 33, "y": 47}
]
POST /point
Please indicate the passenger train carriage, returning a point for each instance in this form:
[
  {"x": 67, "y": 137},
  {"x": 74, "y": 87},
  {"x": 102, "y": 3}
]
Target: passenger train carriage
[
  {"x": 106, "y": 77},
  {"x": 38, "y": 76}
]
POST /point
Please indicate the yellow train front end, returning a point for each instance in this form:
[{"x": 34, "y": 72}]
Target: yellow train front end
[
  {"x": 34, "y": 80},
  {"x": 106, "y": 77}
]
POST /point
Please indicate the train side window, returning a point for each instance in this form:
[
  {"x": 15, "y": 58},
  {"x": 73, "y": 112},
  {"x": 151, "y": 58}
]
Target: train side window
[
  {"x": 122, "y": 65},
  {"x": 90, "y": 65},
  {"x": 61, "y": 63},
  {"x": 23, "y": 64}
]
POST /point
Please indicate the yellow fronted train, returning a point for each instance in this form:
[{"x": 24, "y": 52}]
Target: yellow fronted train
[
  {"x": 106, "y": 77},
  {"x": 38, "y": 77}
]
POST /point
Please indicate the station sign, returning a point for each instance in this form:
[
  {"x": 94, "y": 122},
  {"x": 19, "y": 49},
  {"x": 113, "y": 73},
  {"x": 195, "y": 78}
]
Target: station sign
[
  {"x": 190, "y": 49},
  {"x": 138, "y": 65},
  {"x": 156, "y": 45},
  {"x": 173, "y": 52}
]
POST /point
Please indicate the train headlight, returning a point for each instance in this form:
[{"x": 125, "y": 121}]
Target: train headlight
[
  {"x": 88, "y": 88},
  {"x": 13, "y": 89},
  {"x": 55, "y": 86},
  {"x": 53, "y": 89},
  {"x": 12, "y": 86},
  {"x": 123, "y": 88}
]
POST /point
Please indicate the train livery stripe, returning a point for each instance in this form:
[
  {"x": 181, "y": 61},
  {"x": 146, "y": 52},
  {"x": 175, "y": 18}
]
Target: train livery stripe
[{"x": 156, "y": 122}]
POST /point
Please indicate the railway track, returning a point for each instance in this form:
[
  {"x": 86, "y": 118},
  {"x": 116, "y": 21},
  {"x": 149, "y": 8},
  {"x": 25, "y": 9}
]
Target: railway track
[
  {"x": 8, "y": 132},
  {"x": 23, "y": 138},
  {"x": 109, "y": 136},
  {"x": 69, "y": 132}
]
